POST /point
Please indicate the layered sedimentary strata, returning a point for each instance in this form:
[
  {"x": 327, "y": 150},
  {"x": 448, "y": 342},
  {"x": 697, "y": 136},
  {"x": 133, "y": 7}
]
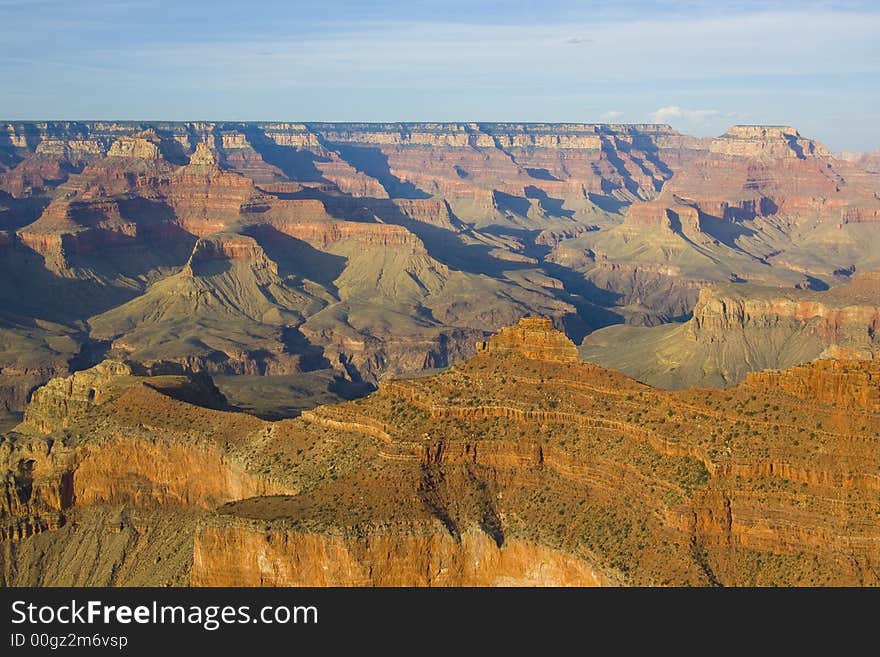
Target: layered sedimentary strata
[
  {"x": 533, "y": 337},
  {"x": 66, "y": 458},
  {"x": 738, "y": 328},
  {"x": 513, "y": 468},
  {"x": 229, "y": 247},
  {"x": 731, "y": 211},
  {"x": 65, "y": 399},
  {"x": 425, "y": 555},
  {"x": 139, "y": 147},
  {"x": 396, "y": 246},
  {"x": 833, "y": 317},
  {"x": 766, "y": 141},
  {"x": 323, "y": 234},
  {"x": 845, "y": 384}
]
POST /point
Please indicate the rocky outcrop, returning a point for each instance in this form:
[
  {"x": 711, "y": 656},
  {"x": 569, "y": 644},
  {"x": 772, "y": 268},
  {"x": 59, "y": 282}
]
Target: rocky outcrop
[
  {"x": 726, "y": 308},
  {"x": 229, "y": 246},
  {"x": 73, "y": 150},
  {"x": 736, "y": 329},
  {"x": 65, "y": 400},
  {"x": 205, "y": 199},
  {"x": 202, "y": 156},
  {"x": 532, "y": 337},
  {"x": 843, "y": 384},
  {"x": 47, "y": 479},
  {"x": 323, "y": 234},
  {"x": 143, "y": 146},
  {"x": 423, "y": 555},
  {"x": 669, "y": 218},
  {"x": 520, "y": 466},
  {"x": 435, "y": 212},
  {"x": 766, "y": 141}
]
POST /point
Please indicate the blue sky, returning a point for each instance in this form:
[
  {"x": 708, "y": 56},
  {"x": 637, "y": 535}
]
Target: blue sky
[{"x": 700, "y": 65}]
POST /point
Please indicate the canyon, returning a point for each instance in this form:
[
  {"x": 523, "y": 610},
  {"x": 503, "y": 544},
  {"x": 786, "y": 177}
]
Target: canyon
[
  {"x": 521, "y": 465},
  {"x": 436, "y": 354},
  {"x": 324, "y": 257}
]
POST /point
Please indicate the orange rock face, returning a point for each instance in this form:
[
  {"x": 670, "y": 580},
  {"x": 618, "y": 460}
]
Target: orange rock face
[
  {"x": 533, "y": 337},
  {"x": 148, "y": 474},
  {"x": 133, "y": 464},
  {"x": 518, "y": 467},
  {"x": 845, "y": 384},
  {"x": 428, "y": 556},
  {"x": 374, "y": 249},
  {"x": 324, "y": 234}
]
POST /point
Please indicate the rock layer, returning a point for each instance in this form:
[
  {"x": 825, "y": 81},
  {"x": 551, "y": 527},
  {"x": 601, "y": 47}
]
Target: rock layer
[
  {"x": 513, "y": 468},
  {"x": 739, "y": 328},
  {"x": 533, "y": 337}
]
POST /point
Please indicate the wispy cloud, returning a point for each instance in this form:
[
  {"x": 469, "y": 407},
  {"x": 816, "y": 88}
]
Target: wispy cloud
[
  {"x": 807, "y": 63},
  {"x": 432, "y": 54},
  {"x": 672, "y": 113}
]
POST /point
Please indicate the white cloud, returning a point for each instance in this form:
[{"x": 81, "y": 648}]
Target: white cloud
[
  {"x": 611, "y": 115},
  {"x": 672, "y": 113}
]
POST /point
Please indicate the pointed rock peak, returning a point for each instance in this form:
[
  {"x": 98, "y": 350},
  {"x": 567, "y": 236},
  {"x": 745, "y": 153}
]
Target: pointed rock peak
[
  {"x": 532, "y": 337},
  {"x": 202, "y": 156}
]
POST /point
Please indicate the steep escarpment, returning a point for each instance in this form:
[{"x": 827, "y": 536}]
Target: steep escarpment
[
  {"x": 771, "y": 141},
  {"x": 526, "y": 454},
  {"x": 845, "y": 384},
  {"x": 393, "y": 247},
  {"x": 426, "y": 555},
  {"x": 736, "y": 329},
  {"x": 759, "y": 204},
  {"x": 80, "y": 467},
  {"x": 516, "y": 467}
]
